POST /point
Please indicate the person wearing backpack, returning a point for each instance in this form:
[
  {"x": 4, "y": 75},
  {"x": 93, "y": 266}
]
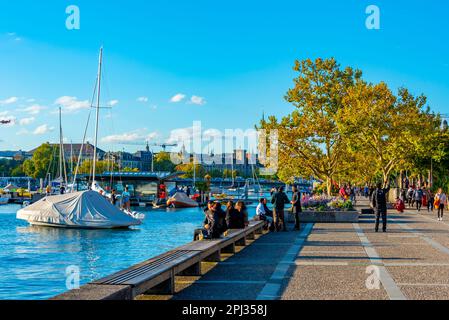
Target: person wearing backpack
[
  {"x": 379, "y": 199},
  {"x": 440, "y": 203}
]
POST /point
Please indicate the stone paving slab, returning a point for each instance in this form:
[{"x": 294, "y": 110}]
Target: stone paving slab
[
  {"x": 330, "y": 283},
  {"x": 420, "y": 274},
  {"x": 427, "y": 292}
]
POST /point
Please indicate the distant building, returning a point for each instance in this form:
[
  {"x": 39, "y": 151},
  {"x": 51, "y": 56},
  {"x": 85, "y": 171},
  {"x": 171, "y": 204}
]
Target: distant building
[
  {"x": 140, "y": 160},
  {"x": 240, "y": 160},
  {"x": 15, "y": 155},
  {"x": 74, "y": 149}
]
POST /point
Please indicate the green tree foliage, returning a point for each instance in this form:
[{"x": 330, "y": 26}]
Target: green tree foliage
[
  {"x": 42, "y": 160},
  {"x": 188, "y": 170},
  {"x": 101, "y": 167},
  {"x": 10, "y": 168},
  {"x": 162, "y": 162}
]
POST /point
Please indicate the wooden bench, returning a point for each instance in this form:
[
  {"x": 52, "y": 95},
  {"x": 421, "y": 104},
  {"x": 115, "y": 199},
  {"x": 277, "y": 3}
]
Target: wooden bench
[{"x": 157, "y": 275}]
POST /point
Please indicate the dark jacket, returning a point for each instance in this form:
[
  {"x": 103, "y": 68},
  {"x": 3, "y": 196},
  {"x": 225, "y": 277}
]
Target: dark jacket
[
  {"x": 235, "y": 219},
  {"x": 380, "y": 199},
  {"x": 296, "y": 199},
  {"x": 279, "y": 200},
  {"x": 217, "y": 223}
]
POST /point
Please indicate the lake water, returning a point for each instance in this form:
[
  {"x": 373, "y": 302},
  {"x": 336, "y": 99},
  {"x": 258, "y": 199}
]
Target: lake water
[{"x": 34, "y": 260}]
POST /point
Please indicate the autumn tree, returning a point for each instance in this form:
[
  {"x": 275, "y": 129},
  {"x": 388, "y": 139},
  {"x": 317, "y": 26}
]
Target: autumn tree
[
  {"x": 391, "y": 127},
  {"x": 310, "y": 143}
]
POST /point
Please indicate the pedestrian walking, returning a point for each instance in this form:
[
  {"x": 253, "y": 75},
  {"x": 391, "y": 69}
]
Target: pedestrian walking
[
  {"x": 380, "y": 205},
  {"x": 440, "y": 203},
  {"x": 418, "y": 196},
  {"x": 279, "y": 201},
  {"x": 296, "y": 206},
  {"x": 430, "y": 203}
]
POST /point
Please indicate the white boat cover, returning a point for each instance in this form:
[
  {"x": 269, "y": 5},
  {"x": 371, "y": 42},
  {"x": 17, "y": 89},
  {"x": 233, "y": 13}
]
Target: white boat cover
[
  {"x": 181, "y": 200},
  {"x": 86, "y": 209}
]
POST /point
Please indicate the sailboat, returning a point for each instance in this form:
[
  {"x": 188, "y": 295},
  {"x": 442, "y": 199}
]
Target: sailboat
[{"x": 87, "y": 209}]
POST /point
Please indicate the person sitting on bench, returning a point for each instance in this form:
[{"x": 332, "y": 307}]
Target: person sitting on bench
[{"x": 214, "y": 224}]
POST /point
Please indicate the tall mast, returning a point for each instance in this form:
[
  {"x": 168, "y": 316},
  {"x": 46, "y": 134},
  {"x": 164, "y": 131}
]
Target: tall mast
[
  {"x": 100, "y": 60},
  {"x": 60, "y": 144}
]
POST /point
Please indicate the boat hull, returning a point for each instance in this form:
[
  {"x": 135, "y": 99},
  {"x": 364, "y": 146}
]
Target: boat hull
[
  {"x": 61, "y": 226},
  {"x": 180, "y": 204}
]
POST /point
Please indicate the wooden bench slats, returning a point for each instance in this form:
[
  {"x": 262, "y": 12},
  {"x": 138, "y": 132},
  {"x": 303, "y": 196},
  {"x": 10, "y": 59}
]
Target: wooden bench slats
[{"x": 151, "y": 268}]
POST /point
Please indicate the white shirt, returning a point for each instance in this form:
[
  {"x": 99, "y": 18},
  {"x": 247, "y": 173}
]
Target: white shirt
[
  {"x": 260, "y": 210},
  {"x": 442, "y": 197}
]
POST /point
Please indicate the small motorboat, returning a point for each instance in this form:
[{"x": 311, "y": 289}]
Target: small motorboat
[
  {"x": 4, "y": 200},
  {"x": 181, "y": 200}
]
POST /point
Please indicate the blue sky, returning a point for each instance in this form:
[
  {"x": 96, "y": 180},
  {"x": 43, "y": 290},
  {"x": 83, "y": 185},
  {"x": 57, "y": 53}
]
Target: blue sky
[{"x": 230, "y": 60}]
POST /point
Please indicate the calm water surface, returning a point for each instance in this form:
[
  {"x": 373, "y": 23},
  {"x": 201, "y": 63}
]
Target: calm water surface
[{"x": 33, "y": 260}]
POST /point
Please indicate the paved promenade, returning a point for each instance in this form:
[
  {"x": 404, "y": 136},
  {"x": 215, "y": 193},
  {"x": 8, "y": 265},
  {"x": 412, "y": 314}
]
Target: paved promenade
[{"x": 335, "y": 261}]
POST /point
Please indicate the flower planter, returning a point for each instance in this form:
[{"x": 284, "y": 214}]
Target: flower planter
[{"x": 329, "y": 216}]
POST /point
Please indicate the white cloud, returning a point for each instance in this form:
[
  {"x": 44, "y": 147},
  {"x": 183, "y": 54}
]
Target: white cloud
[
  {"x": 10, "y": 100},
  {"x": 22, "y": 132},
  {"x": 183, "y": 134},
  {"x": 113, "y": 103},
  {"x": 197, "y": 100},
  {"x": 178, "y": 98},
  {"x": 72, "y": 104},
  {"x": 34, "y": 109},
  {"x": 128, "y": 137},
  {"x": 26, "y": 121},
  {"x": 43, "y": 129},
  {"x": 143, "y": 99},
  {"x": 31, "y": 100}
]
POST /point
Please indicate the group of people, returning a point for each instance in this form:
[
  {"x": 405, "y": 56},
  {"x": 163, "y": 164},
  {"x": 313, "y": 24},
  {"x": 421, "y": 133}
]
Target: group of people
[
  {"x": 418, "y": 197},
  {"x": 349, "y": 192},
  {"x": 218, "y": 221},
  {"x": 125, "y": 199}
]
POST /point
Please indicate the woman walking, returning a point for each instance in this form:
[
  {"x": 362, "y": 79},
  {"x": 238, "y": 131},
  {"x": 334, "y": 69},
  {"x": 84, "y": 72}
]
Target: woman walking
[{"x": 440, "y": 203}]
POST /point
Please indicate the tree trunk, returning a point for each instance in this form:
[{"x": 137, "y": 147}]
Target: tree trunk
[{"x": 329, "y": 186}]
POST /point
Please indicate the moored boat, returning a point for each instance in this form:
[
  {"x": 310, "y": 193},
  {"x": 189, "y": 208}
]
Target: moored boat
[
  {"x": 181, "y": 200},
  {"x": 86, "y": 209}
]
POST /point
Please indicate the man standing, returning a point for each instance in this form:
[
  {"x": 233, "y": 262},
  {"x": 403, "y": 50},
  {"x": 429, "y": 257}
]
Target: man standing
[
  {"x": 380, "y": 204},
  {"x": 279, "y": 201},
  {"x": 296, "y": 206}
]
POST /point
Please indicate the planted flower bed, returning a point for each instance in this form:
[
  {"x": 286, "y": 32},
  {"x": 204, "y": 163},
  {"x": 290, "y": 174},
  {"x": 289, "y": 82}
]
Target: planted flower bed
[{"x": 320, "y": 209}]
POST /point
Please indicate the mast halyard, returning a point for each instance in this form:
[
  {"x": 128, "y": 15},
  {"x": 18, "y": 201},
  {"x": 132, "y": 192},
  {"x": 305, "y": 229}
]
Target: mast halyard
[{"x": 94, "y": 162}]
